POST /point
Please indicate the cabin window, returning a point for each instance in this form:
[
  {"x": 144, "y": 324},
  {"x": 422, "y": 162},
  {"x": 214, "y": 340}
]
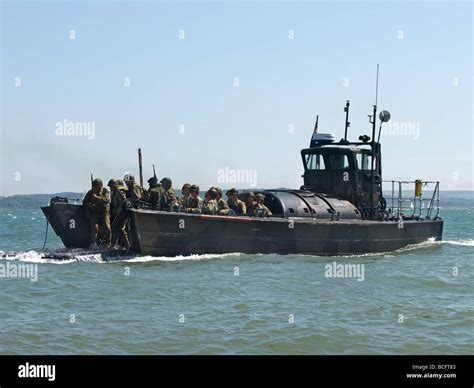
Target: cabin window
[
  {"x": 364, "y": 161},
  {"x": 339, "y": 161},
  {"x": 315, "y": 162}
]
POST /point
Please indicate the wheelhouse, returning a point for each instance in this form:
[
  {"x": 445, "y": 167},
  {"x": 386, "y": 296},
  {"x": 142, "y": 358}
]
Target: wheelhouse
[{"x": 343, "y": 169}]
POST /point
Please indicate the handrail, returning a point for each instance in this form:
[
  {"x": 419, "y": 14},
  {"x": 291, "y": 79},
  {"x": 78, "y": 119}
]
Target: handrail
[{"x": 418, "y": 206}]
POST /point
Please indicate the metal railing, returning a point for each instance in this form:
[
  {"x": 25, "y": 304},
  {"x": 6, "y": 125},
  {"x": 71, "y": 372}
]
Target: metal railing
[{"x": 414, "y": 205}]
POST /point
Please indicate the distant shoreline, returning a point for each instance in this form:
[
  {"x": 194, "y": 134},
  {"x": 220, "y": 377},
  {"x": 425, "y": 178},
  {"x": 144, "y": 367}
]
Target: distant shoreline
[
  {"x": 30, "y": 201},
  {"x": 72, "y": 193}
]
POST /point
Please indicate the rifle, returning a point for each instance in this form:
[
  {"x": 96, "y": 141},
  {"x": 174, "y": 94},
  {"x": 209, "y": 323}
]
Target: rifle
[
  {"x": 89, "y": 206},
  {"x": 140, "y": 168}
]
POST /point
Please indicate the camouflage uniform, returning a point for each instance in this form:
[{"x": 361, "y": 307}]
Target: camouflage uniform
[
  {"x": 184, "y": 199},
  {"x": 134, "y": 191},
  {"x": 250, "y": 205},
  {"x": 168, "y": 197},
  {"x": 96, "y": 204},
  {"x": 236, "y": 205},
  {"x": 154, "y": 193},
  {"x": 118, "y": 219},
  {"x": 261, "y": 210},
  {"x": 195, "y": 202},
  {"x": 117, "y": 198},
  {"x": 222, "y": 207},
  {"x": 251, "y": 208},
  {"x": 209, "y": 205},
  {"x": 195, "y": 205}
]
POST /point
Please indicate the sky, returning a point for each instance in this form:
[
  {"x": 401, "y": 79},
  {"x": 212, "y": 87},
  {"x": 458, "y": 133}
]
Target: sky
[{"x": 226, "y": 93}]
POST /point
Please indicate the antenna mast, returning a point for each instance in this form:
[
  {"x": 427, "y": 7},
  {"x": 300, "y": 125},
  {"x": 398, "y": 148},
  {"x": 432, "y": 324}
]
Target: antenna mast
[
  {"x": 377, "y": 86},
  {"x": 346, "y": 109},
  {"x": 374, "y": 119}
]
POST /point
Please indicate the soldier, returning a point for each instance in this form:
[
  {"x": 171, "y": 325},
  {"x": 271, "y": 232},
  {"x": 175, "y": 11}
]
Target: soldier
[
  {"x": 209, "y": 205},
  {"x": 117, "y": 218},
  {"x": 195, "y": 202},
  {"x": 235, "y": 203},
  {"x": 122, "y": 186},
  {"x": 154, "y": 193},
  {"x": 117, "y": 198},
  {"x": 96, "y": 204},
  {"x": 134, "y": 191},
  {"x": 168, "y": 197},
  {"x": 261, "y": 210},
  {"x": 222, "y": 207},
  {"x": 184, "y": 199},
  {"x": 250, "y": 203}
]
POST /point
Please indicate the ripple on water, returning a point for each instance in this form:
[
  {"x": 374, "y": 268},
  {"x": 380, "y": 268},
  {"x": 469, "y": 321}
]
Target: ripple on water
[{"x": 245, "y": 314}]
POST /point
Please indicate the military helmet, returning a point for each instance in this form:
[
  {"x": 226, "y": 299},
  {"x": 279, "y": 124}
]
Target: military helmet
[
  {"x": 153, "y": 180},
  {"x": 232, "y": 191},
  {"x": 129, "y": 178},
  {"x": 212, "y": 193},
  {"x": 120, "y": 182},
  {"x": 186, "y": 186},
  {"x": 260, "y": 196},
  {"x": 112, "y": 182},
  {"x": 194, "y": 188},
  {"x": 219, "y": 190},
  {"x": 97, "y": 182},
  {"x": 166, "y": 181},
  {"x": 250, "y": 194}
]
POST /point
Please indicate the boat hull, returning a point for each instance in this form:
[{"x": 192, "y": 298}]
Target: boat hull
[
  {"x": 170, "y": 234},
  {"x": 69, "y": 222},
  {"x": 161, "y": 233}
]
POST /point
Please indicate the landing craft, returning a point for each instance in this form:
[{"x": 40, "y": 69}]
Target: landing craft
[{"x": 339, "y": 210}]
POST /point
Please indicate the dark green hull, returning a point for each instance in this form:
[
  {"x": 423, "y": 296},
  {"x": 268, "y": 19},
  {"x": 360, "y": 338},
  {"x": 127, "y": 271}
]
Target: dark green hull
[
  {"x": 171, "y": 234},
  {"x": 69, "y": 222},
  {"x": 161, "y": 233}
]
